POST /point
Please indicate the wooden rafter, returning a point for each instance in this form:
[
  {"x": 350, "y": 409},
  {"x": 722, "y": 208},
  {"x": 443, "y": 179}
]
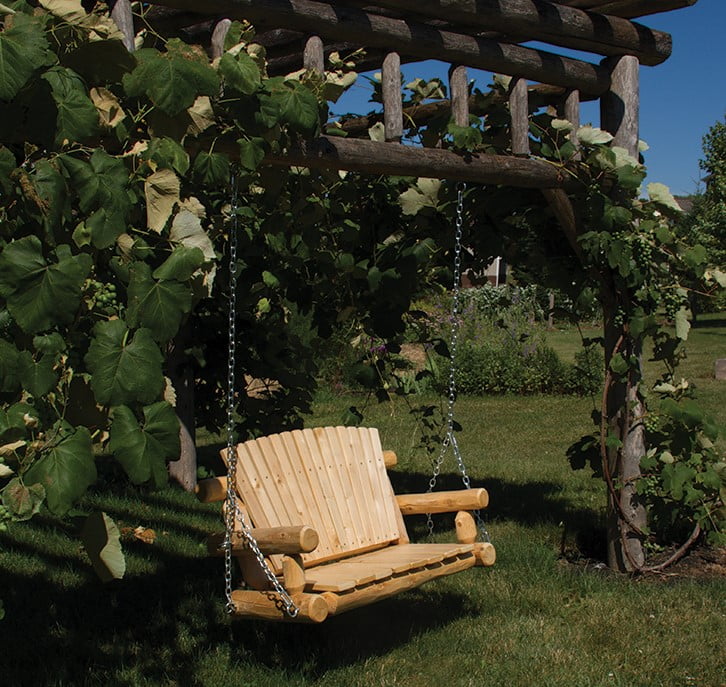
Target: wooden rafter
[
  {"x": 550, "y": 22},
  {"x": 629, "y": 8},
  {"x": 420, "y": 40}
]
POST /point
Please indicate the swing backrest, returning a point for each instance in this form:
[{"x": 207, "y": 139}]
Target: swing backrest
[{"x": 330, "y": 478}]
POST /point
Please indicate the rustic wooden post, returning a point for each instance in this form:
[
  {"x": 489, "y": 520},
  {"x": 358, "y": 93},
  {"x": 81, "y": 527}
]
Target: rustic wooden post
[
  {"x": 392, "y": 101},
  {"x": 519, "y": 112},
  {"x": 314, "y": 55},
  {"x": 620, "y": 106},
  {"x": 124, "y": 19},
  {"x": 571, "y": 112},
  {"x": 619, "y": 109},
  {"x": 459, "y": 93},
  {"x": 181, "y": 373},
  {"x": 219, "y": 34}
]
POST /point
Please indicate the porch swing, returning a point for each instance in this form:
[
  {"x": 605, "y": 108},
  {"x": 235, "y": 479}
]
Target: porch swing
[{"x": 312, "y": 519}]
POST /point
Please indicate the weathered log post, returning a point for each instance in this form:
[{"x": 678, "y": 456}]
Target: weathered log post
[
  {"x": 459, "y": 92},
  {"x": 124, "y": 19},
  {"x": 627, "y": 516},
  {"x": 392, "y": 100},
  {"x": 519, "y": 113}
]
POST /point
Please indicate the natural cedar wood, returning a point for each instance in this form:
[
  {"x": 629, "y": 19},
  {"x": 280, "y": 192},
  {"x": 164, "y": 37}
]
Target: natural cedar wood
[
  {"x": 519, "y": 114},
  {"x": 442, "y": 501},
  {"x": 211, "y": 489},
  {"x": 549, "y": 22},
  {"x": 466, "y": 529},
  {"x": 293, "y": 574},
  {"x": 312, "y": 501},
  {"x": 392, "y": 102},
  {"x": 368, "y": 555},
  {"x": 380, "y": 565},
  {"x": 485, "y": 553},
  {"x": 390, "y": 458},
  {"x": 395, "y": 585},
  {"x": 421, "y": 40},
  {"x": 271, "y": 540},
  {"x": 267, "y": 606}
]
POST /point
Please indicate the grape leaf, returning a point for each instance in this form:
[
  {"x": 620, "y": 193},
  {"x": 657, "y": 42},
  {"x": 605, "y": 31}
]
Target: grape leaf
[
  {"x": 23, "y": 49},
  {"x": 102, "y": 541},
  {"x": 212, "y": 169},
  {"x": 162, "y": 194},
  {"x": 9, "y": 367},
  {"x": 77, "y": 118},
  {"x": 37, "y": 377},
  {"x": 240, "y": 72},
  {"x": 21, "y": 501},
  {"x": 39, "y": 294},
  {"x": 125, "y": 369},
  {"x": 167, "y": 154},
  {"x": 157, "y": 305},
  {"x": 66, "y": 470},
  {"x": 170, "y": 80},
  {"x": 181, "y": 264},
  {"x": 144, "y": 450}
]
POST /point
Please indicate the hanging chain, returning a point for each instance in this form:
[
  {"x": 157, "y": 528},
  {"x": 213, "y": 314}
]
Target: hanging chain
[
  {"x": 232, "y": 511},
  {"x": 450, "y": 438}
]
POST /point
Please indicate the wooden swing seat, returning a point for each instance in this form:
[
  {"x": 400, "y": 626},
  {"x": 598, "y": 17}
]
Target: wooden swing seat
[{"x": 324, "y": 514}]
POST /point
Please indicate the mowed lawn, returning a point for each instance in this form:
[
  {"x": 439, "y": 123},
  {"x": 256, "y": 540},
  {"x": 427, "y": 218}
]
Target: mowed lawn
[{"x": 534, "y": 619}]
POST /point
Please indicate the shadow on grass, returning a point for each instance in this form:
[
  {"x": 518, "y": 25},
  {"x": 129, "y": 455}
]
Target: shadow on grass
[
  {"x": 708, "y": 323},
  {"x": 64, "y": 627},
  {"x": 165, "y": 621},
  {"x": 526, "y": 503}
]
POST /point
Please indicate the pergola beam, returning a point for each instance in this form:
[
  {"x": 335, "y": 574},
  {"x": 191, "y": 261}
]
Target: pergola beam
[
  {"x": 371, "y": 157},
  {"x": 354, "y": 25},
  {"x": 629, "y": 8},
  {"x": 550, "y": 22}
]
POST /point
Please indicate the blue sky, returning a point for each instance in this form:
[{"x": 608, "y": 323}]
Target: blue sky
[{"x": 680, "y": 99}]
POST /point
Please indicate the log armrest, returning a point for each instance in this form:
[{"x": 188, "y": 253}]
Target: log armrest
[
  {"x": 443, "y": 501},
  {"x": 271, "y": 540}
]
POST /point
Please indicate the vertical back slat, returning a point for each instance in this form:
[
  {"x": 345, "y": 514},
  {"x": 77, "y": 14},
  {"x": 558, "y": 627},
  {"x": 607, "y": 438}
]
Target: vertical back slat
[{"x": 332, "y": 479}]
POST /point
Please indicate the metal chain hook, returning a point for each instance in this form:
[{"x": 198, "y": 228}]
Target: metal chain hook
[
  {"x": 233, "y": 513},
  {"x": 450, "y": 438}
]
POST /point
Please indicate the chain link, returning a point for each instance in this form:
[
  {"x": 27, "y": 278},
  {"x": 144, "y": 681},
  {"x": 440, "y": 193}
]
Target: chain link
[
  {"x": 450, "y": 438},
  {"x": 233, "y": 513}
]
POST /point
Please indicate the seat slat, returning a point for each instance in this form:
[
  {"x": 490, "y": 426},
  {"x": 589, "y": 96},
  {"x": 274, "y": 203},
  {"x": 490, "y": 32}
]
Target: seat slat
[{"x": 380, "y": 565}]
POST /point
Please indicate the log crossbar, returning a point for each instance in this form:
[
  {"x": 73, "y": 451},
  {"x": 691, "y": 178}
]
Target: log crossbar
[{"x": 422, "y": 40}]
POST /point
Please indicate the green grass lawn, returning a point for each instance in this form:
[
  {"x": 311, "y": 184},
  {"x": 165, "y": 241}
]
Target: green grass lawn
[{"x": 531, "y": 620}]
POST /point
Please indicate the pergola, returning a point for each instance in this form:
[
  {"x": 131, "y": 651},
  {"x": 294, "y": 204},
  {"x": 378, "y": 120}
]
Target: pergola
[{"x": 482, "y": 34}]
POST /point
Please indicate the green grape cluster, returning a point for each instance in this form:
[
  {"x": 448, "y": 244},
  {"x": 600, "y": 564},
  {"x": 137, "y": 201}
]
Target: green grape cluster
[
  {"x": 672, "y": 303},
  {"x": 643, "y": 251},
  {"x": 4, "y": 518},
  {"x": 651, "y": 422},
  {"x": 104, "y": 296}
]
